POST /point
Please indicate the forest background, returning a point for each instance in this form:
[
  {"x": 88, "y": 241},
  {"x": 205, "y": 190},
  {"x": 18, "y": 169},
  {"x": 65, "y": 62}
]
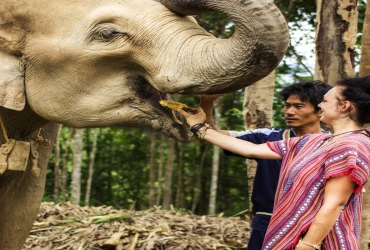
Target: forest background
[{"x": 136, "y": 168}]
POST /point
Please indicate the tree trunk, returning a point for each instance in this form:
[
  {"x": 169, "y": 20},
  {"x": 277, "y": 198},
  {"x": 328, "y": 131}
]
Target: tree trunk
[
  {"x": 57, "y": 166},
  {"x": 198, "y": 186},
  {"x": 76, "y": 173},
  {"x": 365, "y": 71},
  {"x": 336, "y": 36},
  {"x": 153, "y": 149},
  {"x": 258, "y": 101},
  {"x": 180, "y": 194},
  {"x": 91, "y": 167},
  {"x": 365, "y": 44},
  {"x": 169, "y": 169},
  {"x": 215, "y": 161},
  {"x": 160, "y": 171},
  {"x": 65, "y": 164}
]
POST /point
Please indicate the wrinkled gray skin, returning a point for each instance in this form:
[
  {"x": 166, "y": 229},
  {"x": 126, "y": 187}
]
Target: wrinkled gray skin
[{"x": 92, "y": 63}]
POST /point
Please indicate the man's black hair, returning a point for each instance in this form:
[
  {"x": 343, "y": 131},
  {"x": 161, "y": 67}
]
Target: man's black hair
[{"x": 307, "y": 91}]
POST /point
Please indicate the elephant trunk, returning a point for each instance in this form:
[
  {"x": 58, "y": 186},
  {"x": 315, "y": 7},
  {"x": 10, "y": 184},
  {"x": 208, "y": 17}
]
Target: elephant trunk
[{"x": 255, "y": 49}]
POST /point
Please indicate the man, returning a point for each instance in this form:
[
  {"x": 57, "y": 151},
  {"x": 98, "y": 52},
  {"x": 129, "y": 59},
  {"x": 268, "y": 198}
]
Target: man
[{"x": 302, "y": 115}]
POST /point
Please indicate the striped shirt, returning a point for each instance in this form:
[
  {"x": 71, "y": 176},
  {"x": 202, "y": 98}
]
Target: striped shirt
[
  {"x": 267, "y": 173},
  {"x": 306, "y": 167}
]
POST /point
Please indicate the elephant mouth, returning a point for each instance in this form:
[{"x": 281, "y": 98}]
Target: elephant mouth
[
  {"x": 175, "y": 117},
  {"x": 169, "y": 121}
]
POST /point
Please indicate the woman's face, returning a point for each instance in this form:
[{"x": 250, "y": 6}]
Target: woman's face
[{"x": 330, "y": 106}]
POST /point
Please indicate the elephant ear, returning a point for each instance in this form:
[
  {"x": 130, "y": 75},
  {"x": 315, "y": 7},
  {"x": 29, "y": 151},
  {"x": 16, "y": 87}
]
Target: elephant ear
[{"x": 12, "y": 92}]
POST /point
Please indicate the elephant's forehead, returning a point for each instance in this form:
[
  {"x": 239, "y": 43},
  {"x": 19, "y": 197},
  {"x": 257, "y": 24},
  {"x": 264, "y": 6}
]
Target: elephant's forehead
[{"x": 53, "y": 15}]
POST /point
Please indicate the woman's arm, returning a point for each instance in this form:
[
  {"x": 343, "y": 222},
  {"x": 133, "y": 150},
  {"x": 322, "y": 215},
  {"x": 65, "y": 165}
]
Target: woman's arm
[
  {"x": 337, "y": 192},
  {"x": 241, "y": 147}
]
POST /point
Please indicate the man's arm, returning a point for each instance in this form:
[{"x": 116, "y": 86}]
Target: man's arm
[{"x": 207, "y": 103}]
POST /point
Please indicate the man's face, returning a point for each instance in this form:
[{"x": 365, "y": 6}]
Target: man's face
[{"x": 300, "y": 114}]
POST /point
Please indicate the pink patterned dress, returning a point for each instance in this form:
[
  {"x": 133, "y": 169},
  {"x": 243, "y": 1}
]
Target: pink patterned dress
[{"x": 305, "y": 169}]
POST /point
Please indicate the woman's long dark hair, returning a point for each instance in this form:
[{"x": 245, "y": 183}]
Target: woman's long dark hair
[{"x": 357, "y": 91}]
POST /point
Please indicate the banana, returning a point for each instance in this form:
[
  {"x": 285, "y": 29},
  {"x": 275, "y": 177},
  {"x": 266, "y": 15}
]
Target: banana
[{"x": 173, "y": 105}]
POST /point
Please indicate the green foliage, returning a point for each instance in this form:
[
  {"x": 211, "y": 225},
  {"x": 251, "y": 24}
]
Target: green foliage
[
  {"x": 121, "y": 168},
  {"x": 278, "y": 105}
]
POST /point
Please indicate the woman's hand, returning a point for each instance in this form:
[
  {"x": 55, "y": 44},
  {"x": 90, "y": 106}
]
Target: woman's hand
[{"x": 196, "y": 116}]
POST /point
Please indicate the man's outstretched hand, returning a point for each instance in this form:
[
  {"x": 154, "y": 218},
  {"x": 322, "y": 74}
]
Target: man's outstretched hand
[{"x": 208, "y": 99}]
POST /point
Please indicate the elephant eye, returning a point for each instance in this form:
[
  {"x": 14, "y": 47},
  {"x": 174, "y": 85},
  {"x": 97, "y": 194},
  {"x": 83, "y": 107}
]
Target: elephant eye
[{"x": 108, "y": 34}]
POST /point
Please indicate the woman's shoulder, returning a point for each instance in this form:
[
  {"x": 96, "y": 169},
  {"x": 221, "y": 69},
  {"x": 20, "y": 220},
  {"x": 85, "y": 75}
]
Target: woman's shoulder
[
  {"x": 356, "y": 141},
  {"x": 316, "y": 137}
]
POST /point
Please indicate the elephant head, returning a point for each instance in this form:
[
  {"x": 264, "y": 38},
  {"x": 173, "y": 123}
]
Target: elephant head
[
  {"x": 95, "y": 63},
  {"x": 90, "y": 63}
]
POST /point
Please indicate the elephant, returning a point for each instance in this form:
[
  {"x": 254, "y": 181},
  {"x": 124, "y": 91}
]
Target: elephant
[{"x": 92, "y": 63}]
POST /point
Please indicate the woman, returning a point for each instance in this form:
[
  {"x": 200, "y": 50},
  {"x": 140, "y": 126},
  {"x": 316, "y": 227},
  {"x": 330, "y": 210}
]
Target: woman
[{"x": 319, "y": 198}]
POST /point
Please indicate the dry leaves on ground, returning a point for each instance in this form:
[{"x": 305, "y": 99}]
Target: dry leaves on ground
[{"x": 66, "y": 226}]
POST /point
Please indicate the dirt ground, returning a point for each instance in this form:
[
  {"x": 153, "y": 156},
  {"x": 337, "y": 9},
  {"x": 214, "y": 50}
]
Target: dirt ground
[{"x": 66, "y": 226}]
